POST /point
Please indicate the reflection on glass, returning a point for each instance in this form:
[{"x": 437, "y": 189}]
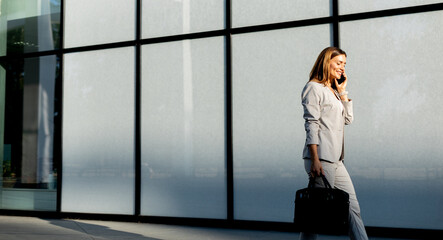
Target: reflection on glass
[
  {"x": 29, "y": 29},
  {"x": 27, "y": 112}
]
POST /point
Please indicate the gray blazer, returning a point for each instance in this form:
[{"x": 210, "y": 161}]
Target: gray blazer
[{"x": 325, "y": 117}]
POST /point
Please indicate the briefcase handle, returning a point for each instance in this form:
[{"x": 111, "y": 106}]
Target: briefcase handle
[{"x": 325, "y": 181}]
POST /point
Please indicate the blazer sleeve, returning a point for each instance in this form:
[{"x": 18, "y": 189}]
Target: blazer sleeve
[
  {"x": 311, "y": 114},
  {"x": 349, "y": 112}
]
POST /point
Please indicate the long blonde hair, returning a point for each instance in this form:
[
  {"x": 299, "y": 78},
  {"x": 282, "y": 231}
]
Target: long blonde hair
[{"x": 320, "y": 70}]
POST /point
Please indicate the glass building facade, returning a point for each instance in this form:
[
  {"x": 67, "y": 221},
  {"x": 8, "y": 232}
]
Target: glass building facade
[{"x": 191, "y": 108}]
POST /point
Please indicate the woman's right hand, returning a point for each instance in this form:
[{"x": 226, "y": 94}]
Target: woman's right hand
[{"x": 316, "y": 168}]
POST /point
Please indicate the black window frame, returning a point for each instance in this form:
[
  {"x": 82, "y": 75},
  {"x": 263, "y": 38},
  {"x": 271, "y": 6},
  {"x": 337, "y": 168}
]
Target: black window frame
[{"x": 334, "y": 20}]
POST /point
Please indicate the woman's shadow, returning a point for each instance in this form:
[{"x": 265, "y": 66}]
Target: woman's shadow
[{"x": 94, "y": 230}]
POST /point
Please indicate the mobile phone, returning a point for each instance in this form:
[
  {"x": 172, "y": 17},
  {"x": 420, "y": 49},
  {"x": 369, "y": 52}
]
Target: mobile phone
[{"x": 341, "y": 79}]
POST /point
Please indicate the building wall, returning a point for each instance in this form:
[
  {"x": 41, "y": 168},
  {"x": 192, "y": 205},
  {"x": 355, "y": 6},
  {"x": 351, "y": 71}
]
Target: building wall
[{"x": 178, "y": 110}]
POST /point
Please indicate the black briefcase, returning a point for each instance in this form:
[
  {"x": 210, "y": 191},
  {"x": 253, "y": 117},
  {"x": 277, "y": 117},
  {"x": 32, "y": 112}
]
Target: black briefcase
[{"x": 321, "y": 210}]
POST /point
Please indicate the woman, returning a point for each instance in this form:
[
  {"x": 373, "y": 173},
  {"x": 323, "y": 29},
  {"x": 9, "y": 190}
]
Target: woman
[{"x": 327, "y": 109}]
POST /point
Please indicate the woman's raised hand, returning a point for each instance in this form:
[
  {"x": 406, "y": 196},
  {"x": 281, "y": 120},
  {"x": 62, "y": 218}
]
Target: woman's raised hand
[{"x": 341, "y": 87}]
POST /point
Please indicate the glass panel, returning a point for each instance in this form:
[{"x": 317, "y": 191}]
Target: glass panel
[
  {"x": 246, "y": 12},
  {"x": 28, "y": 154},
  {"x": 394, "y": 144},
  {"x": 98, "y": 21},
  {"x": 98, "y": 132},
  {"x": 183, "y": 129},
  {"x": 172, "y": 17},
  {"x": 355, "y": 6},
  {"x": 29, "y": 26},
  {"x": 269, "y": 72}
]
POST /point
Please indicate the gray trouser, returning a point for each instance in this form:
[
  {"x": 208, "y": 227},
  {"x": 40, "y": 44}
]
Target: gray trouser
[{"x": 338, "y": 177}]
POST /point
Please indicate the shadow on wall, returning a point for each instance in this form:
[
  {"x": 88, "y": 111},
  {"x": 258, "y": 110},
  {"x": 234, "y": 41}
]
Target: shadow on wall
[{"x": 94, "y": 230}]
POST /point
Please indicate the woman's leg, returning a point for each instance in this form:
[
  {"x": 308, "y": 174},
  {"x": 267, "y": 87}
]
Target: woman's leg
[
  {"x": 338, "y": 177},
  {"x": 343, "y": 181}
]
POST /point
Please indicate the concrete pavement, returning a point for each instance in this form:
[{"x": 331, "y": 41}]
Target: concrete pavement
[{"x": 24, "y": 228}]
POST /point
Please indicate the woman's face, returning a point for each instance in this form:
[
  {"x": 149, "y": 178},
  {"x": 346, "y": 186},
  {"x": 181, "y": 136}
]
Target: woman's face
[{"x": 337, "y": 66}]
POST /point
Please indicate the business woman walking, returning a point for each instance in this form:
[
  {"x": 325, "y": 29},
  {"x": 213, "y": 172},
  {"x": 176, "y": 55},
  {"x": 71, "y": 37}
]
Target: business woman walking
[{"x": 327, "y": 109}]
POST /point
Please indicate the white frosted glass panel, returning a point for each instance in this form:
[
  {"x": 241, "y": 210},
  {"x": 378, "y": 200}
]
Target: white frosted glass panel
[
  {"x": 394, "y": 146},
  {"x": 172, "y": 17},
  {"x": 97, "y": 22},
  {"x": 355, "y": 6},
  {"x": 256, "y": 12},
  {"x": 269, "y": 72},
  {"x": 183, "y": 129},
  {"x": 98, "y": 132}
]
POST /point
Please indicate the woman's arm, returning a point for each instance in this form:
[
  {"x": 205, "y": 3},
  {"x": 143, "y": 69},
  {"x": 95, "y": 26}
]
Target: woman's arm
[
  {"x": 316, "y": 167},
  {"x": 347, "y": 103},
  {"x": 311, "y": 113}
]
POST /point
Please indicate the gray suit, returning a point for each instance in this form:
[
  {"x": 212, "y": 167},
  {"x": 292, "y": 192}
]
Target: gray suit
[{"x": 325, "y": 117}]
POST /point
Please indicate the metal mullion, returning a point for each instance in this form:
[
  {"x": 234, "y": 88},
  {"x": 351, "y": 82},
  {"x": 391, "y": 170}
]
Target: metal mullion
[
  {"x": 29, "y": 55},
  {"x": 391, "y": 12},
  {"x": 335, "y": 24},
  {"x": 186, "y": 36},
  {"x": 229, "y": 137},
  {"x": 137, "y": 204},
  {"x": 60, "y": 127},
  {"x": 282, "y": 25}
]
